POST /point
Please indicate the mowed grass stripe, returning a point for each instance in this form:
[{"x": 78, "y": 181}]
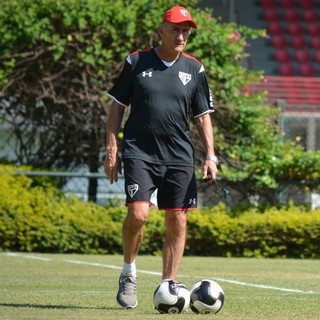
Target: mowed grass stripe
[
  {"x": 235, "y": 282},
  {"x": 50, "y": 286}
]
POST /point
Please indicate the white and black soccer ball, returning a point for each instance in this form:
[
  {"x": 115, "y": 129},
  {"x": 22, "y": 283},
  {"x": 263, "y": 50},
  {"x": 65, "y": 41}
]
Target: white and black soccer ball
[
  {"x": 171, "y": 297},
  {"x": 206, "y": 296}
]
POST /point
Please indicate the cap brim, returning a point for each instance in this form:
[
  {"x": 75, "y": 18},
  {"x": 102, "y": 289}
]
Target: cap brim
[{"x": 192, "y": 23}]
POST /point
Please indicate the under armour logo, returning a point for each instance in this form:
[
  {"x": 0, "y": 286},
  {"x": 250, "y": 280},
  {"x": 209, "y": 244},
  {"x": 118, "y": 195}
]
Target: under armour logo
[
  {"x": 149, "y": 74},
  {"x": 192, "y": 201},
  {"x": 211, "y": 100},
  {"x": 132, "y": 189}
]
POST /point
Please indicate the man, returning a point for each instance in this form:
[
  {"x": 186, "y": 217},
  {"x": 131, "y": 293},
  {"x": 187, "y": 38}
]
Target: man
[{"x": 161, "y": 84}]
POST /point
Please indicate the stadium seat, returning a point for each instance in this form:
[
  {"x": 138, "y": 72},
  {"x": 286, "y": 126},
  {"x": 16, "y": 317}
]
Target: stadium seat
[
  {"x": 306, "y": 70},
  {"x": 286, "y": 69},
  {"x": 315, "y": 42},
  {"x": 316, "y": 56},
  {"x": 267, "y": 3},
  {"x": 287, "y": 3},
  {"x": 282, "y": 55},
  {"x": 306, "y": 4},
  {"x": 271, "y": 15},
  {"x": 278, "y": 41},
  {"x": 298, "y": 42},
  {"x": 310, "y": 15},
  {"x": 302, "y": 56},
  {"x": 274, "y": 28},
  {"x": 313, "y": 28},
  {"x": 290, "y": 15},
  {"x": 294, "y": 28}
]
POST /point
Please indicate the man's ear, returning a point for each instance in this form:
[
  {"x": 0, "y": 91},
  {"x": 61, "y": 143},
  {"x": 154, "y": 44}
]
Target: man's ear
[{"x": 160, "y": 31}]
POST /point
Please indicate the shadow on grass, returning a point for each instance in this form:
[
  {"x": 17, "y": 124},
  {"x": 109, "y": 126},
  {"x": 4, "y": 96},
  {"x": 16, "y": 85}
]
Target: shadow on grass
[{"x": 49, "y": 306}]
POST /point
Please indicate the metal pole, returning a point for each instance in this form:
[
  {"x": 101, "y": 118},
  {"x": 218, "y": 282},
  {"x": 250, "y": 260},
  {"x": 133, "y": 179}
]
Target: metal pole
[{"x": 232, "y": 15}]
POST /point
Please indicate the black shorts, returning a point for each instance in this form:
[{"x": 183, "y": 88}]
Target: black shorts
[{"x": 176, "y": 185}]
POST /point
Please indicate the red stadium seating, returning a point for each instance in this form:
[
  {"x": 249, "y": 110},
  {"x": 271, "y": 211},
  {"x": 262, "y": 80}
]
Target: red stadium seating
[
  {"x": 278, "y": 41},
  {"x": 290, "y": 15},
  {"x": 310, "y": 15},
  {"x": 316, "y": 56},
  {"x": 286, "y": 69},
  {"x": 306, "y": 4},
  {"x": 287, "y": 3},
  {"x": 302, "y": 55},
  {"x": 315, "y": 42},
  {"x": 313, "y": 28},
  {"x": 294, "y": 28},
  {"x": 271, "y": 15},
  {"x": 282, "y": 55},
  {"x": 268, "y": 3},
  {"x": 306, "y": 70},
  {"x": 298, "y": 42},
  {"x": 274, "y": 28}
]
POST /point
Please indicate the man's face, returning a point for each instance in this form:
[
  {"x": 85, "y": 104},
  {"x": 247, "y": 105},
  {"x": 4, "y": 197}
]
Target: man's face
[{"x": 175, "y": 35}]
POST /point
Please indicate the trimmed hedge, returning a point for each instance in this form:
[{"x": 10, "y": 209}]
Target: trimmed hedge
[
  {"x": 42, "y": 219},
  {"x": 289, "y": 232}
]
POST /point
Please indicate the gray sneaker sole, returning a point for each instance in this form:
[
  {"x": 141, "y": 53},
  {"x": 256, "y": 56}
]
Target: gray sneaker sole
[{"x": 125, "y": 306}]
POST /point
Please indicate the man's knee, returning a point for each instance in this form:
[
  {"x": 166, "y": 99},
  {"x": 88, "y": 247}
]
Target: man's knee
[
  {"x": 176, "y": 219},
  {"x": 138, "y": 213}
]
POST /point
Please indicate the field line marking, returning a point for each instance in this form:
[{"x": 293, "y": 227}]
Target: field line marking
[
  {"x": 27, "y": 256},
  {"x": 95, "y": 264},
  {"x": 155, "y": 273},
  {"x": 265, "y": 286}
]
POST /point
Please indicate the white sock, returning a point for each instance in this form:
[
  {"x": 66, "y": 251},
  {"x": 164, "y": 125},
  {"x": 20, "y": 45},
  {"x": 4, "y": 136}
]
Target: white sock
[
  {"x": 129, "y": 268},
  {"x": 165, "y": 280}
]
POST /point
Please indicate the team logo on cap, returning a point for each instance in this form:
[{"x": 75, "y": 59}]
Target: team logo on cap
[
  {"x": 184, "y": 77},
  {"x": 184, "y": 12}
]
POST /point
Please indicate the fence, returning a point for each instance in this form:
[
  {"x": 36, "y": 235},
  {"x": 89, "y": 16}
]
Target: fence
[
  {"x": 209, "y": 194},
  {"x": 78, "y": 184}
]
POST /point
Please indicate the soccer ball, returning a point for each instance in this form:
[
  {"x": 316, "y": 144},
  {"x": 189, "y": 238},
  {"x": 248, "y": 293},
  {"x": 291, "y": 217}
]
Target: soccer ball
[
  {"x": 206, "y": 296},
  {"x": 171, "y": 297}
]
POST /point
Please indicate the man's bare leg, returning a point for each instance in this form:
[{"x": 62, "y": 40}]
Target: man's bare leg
[
  {"x": 173, "y": 248},
  {"x": 132, "y": 234},
  {"x": 132, "y": 230}
]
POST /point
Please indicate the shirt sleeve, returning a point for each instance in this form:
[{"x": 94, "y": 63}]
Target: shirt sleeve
[
  {"x": 202, "y": 101},
  {"x": 121, "y": 90}
]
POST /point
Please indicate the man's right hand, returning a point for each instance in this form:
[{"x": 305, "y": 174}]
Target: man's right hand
[{"x": 112, "y": 166}]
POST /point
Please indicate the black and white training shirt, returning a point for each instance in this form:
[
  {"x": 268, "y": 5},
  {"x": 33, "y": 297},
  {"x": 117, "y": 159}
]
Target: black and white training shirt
[{"x": 157, "y": 129}]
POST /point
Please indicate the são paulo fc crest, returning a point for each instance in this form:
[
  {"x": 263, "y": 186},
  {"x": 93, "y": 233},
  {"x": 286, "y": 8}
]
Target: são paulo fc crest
[
  {"x": 184, "y": 12},
  {"x": 132, "y": 189},
  {"x": 184, "y": 77}
]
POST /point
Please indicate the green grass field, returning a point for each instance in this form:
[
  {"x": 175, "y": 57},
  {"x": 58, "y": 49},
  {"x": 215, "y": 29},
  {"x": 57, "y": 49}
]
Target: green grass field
[{"x": 44, "y": 286}]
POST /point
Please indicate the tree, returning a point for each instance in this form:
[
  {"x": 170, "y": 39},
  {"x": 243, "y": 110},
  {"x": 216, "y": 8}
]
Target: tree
[{"x": 58, "y": 59}]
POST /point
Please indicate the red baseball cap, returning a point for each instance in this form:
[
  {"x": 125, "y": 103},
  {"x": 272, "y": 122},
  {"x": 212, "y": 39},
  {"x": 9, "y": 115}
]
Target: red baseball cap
[{"x": 178, "y": 14}]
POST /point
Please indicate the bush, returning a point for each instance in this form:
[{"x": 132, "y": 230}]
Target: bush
[
  {"x": 40, "y": 218},
  {"x": 288, "y": 232},
  {"x": 43, "y": 219}
]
